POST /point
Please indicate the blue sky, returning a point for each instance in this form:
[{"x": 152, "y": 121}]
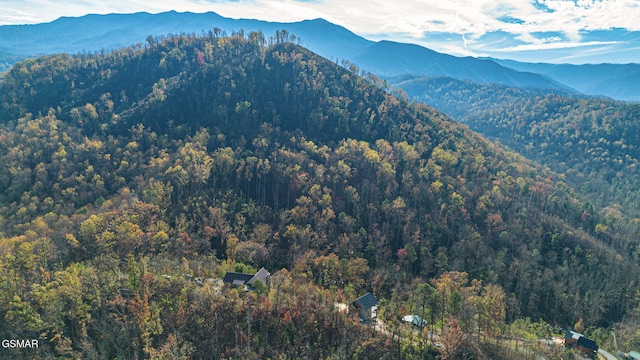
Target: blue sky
[{"x": 538, "y": 30}]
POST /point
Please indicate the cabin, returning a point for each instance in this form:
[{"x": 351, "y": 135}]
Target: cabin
[
  {"x": 247, "y": 280},
  {"x": 581, "y": 343},
  {"x": 415, "y": 320},
  {"x": 366, "y": 306}
]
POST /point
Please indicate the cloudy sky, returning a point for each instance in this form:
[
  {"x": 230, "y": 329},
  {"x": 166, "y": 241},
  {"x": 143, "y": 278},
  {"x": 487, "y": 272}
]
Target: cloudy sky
[{"x": 566, "y": 29}]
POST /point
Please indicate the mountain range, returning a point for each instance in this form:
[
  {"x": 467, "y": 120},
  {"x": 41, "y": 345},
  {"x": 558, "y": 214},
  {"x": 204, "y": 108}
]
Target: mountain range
[
  {"x": 617, "y": 81},
  {"x": 92, "y": 33},
  {"x": 594, "y": 141},
  {"x": 132, "y": 175},
  {"x": 274, "y": 156}
]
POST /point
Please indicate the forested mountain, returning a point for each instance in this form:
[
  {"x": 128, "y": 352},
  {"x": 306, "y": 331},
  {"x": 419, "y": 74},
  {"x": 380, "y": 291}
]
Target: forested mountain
[
  {"x": 594, "y": 142},
  {"x": 124, "y": 171},
  {"x": 93, "y": 33},
  {"x": 388, "y": 58}
]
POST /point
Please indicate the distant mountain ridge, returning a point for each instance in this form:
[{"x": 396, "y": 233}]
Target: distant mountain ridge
[
  {"x": 618, "y": 81},
  {"x": 105, "y": 32},
  {"x": 93, "y": 33},
  {"x": 387, "y": 58}
]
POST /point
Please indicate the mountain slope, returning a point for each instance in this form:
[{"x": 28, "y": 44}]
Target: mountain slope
[
  {"x": 593, "y": 141},
  {"x": 387, "y": 58},
  {"x": 119, "y": 167}
]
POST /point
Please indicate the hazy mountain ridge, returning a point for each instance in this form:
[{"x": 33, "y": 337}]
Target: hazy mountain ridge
[
  {"x": 387, "y": 58},
  {"x": 617, "y": 81},
  {"x": 96, "y": 32}
]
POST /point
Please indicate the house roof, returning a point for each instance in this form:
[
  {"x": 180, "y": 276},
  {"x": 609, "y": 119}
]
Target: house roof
[
  {"x": 415, "y": 320},
  {"x": 366, "y": 301},
  {"x": 634, "y": 355},
  {"x": 587, "y": 343},
  {"x": 263, "y": 275},
  {"x": 581, "y": 340},
  {"x": 236, "y": 278},
  {"x": 572, "y": 335}
]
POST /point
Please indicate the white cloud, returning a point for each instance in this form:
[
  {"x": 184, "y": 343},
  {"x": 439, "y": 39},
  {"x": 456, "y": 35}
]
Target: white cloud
[
  {"x": 553, "y": 45},
  {"x": 373, "y": 17},
  {"x": 411, "y": 19}
]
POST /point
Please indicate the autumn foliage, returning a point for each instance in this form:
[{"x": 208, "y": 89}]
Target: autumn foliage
[{"x": 127, "y": 175}]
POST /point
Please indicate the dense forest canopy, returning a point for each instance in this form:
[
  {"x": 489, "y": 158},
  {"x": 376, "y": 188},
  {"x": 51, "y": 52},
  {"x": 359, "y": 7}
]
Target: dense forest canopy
[
  {"x": 595, "y": 142},
  {"x": 122, "y": 172}
]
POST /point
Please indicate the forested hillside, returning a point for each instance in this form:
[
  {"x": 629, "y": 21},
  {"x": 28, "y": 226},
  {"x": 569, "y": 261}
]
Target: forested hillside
[
  {"x": 124, "y": 171},
  {"x": 594, "y": 142}
]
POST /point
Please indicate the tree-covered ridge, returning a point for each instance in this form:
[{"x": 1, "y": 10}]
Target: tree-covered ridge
[
  {"x": 197, "y": 155},
  {"x": 594, "y": 142}
]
